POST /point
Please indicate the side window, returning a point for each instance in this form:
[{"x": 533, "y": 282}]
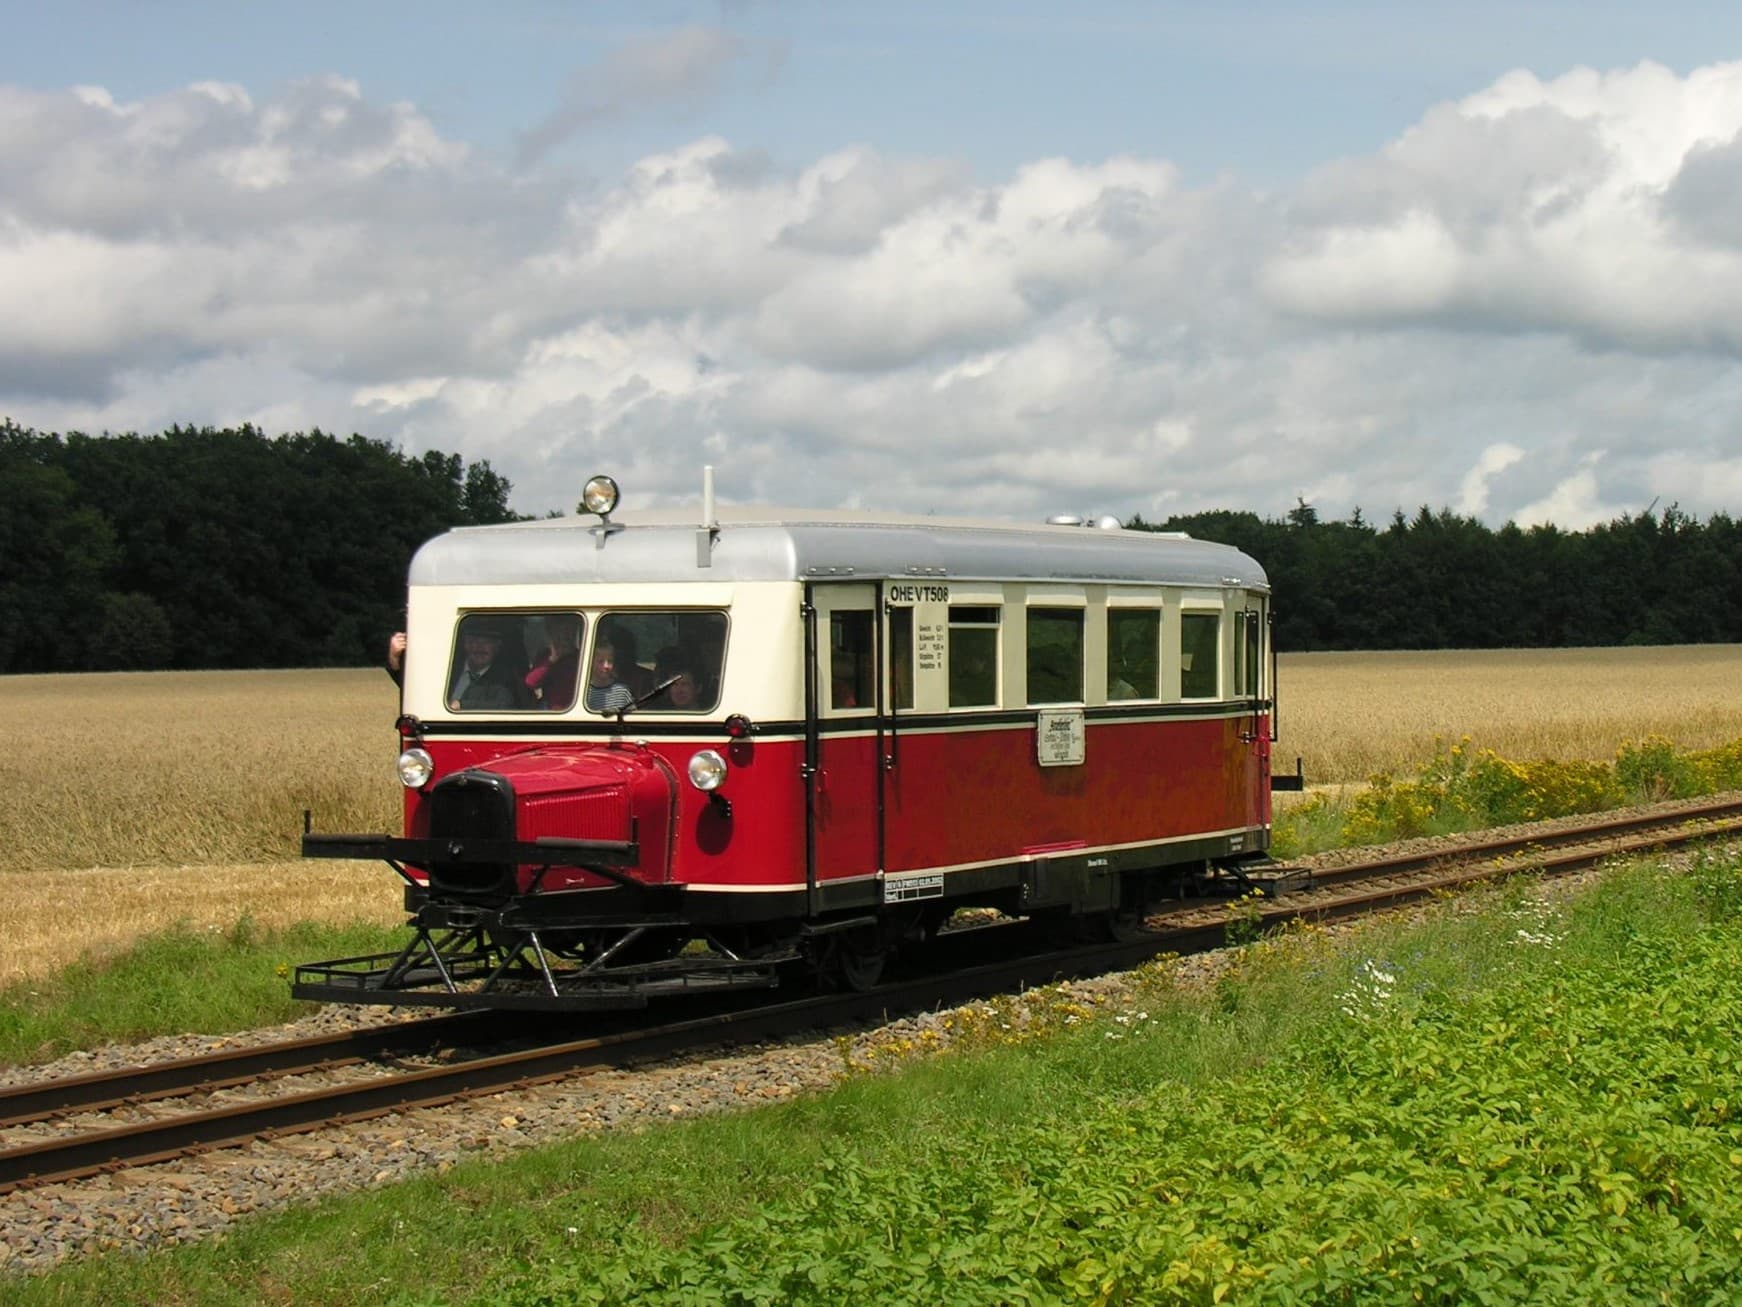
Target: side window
[
  {"x": 973, "y": 656},
  {"x": 1246, "y": 649},
  {"x": 901, "y": 657},
  {"x": 1200, "y": 643},
  {"x": 852, "y": 660},
  {"x": 515, "y": 661},
  {"x": 1133, "y": 653},
  {"x": 1055, "y": 655}
]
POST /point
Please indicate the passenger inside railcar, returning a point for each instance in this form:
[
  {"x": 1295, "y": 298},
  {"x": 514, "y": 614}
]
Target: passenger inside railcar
[
  {"x": 639, "y": 679},
  {"x": 488, "y": 666},
  {"x": 606, "y": 692},
  {"x": 555, "y": 677},
  {"x": 684, "y": 693}
]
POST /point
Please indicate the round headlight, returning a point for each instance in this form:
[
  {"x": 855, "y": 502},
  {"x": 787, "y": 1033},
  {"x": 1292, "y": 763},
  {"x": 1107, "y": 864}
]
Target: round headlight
[
  {"x": 599, "y": 495},
  {"x": 707, "y": 770},
  {"x": 415, "y": 769}
]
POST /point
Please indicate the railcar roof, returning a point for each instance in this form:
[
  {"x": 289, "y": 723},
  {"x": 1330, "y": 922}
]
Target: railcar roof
[{"x": 778, "y": 544}]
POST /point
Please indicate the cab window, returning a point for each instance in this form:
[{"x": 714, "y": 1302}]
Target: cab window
[
  {"x": 516, "y": 661},
  {"x": 663, "y": 662}
]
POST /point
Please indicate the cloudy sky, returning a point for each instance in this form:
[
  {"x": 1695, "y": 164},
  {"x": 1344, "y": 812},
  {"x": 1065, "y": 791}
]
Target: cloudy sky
[{"x": 997, "y": 256}]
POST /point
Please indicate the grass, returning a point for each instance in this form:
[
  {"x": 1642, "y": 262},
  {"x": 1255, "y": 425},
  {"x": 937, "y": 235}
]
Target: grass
[
  {"x": 1530, "y": 1089},
  {"x": 184, "y": 979}
]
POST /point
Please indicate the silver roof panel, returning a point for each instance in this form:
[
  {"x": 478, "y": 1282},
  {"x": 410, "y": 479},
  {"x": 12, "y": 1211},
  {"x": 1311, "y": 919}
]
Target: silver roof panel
[{"x": 797, "y": 545}]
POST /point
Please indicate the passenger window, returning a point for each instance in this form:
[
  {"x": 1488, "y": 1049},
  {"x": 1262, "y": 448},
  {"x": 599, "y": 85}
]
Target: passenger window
[
  {"x": 1055, "y": 655},
  {"x": 1200, "y": 642},
  {"x": 1133, "y": 653},
  {"x": 515, "y": 661},
  {"x": 901, "y": 657},
  {"x": 973, "y": 656},
  {"x": 852, "y": 661}
]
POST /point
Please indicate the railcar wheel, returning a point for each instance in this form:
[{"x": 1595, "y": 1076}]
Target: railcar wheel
[
  {"x": 1122, "y": 925},
  {"x": 859, "y": 959}
]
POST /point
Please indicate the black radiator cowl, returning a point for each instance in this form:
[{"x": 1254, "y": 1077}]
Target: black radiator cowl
[{"x": 472, "y": 805}]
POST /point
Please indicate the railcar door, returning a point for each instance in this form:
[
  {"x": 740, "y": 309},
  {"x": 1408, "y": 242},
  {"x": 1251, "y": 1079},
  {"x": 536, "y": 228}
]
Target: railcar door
[
  {"x": 1250, "y": 628},
  {"x": 846, "y": 777}
]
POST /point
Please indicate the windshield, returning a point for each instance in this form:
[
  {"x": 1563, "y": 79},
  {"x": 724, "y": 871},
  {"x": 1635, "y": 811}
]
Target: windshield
[
  {"x": 519, "y": 660},
  {"x": 680, "y": 654},
  {"x": 515, "y": 661}
]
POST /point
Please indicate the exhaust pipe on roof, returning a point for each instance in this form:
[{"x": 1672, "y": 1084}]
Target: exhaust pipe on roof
[{"x": 710, "y": 528}]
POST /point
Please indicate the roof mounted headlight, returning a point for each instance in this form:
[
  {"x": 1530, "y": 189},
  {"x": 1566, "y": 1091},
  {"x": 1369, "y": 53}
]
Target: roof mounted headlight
[
  {"x": 415, "y": 768},
  {"x": 599, "y": 496}
]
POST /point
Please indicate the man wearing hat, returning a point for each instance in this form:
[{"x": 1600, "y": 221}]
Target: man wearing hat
[{"x": 484, "y": 681}]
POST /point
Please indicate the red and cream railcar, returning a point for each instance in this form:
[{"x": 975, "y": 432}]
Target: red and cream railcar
[{"x": 645, "y": 755}]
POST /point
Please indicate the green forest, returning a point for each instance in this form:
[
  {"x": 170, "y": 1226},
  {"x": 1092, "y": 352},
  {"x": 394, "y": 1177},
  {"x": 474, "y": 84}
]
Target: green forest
[
  {"x": 207, "y": 548},
  {"x": 202, "y": 548}
]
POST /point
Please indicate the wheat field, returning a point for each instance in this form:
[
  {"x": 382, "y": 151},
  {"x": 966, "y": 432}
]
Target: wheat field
[
  {"x": 138, "y": 800},
  {"x": 1349, "y": 715},
  {"x": 135, "y": 801}
]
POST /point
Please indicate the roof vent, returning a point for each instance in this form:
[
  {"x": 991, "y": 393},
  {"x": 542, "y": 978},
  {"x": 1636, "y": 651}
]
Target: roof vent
[
  {"x": 1107, "y": 522},
  {"x": 1064, "y": 519}
]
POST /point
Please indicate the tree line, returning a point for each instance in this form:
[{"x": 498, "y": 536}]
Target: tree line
[
  {"x": 1442, "y": 581},
  {"x": 205, "y": 548},
  {"x": 226, "y": 548}
]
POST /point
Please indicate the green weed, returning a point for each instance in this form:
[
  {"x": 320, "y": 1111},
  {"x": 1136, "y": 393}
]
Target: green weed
[{"x": 177, "y": 981}]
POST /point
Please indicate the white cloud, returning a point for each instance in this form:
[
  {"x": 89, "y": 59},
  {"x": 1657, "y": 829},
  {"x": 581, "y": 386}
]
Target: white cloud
[
  {"x": 1530, "y": 206},
  {"x": 1573, "y": 504},
  {"x": 1495, "y": 459},
  {"x": 1529, "y": 305}
]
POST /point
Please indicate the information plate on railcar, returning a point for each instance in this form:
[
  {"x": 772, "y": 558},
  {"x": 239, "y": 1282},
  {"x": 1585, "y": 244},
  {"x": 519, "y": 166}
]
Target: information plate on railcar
[{"x": 1058, "y": 741}]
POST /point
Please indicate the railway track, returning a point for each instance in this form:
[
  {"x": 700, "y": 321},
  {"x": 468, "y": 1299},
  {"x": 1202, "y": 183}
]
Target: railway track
[{"x": 44, "y": 1135}]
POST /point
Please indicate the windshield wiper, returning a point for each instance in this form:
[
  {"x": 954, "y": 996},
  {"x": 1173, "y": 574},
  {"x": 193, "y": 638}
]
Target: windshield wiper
[{"x": 654, "y": 693}]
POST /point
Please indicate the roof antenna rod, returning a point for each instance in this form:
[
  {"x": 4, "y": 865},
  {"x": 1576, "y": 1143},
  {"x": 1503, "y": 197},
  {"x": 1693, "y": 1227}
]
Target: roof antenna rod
[{"x": 710, "y": 528}]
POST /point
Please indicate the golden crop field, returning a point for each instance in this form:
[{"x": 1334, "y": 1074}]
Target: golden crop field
[
  {"x": 133, "y": 801},
  {"x": 1349, "y": 715},
  {"x": 137, "y": 800}
]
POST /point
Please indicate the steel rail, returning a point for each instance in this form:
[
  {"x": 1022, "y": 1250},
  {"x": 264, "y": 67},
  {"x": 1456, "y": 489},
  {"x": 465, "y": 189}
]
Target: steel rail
[
  {"x": 1560, "y": 864},
  {"x": 162, "y": 1140},
  {"x": 147, "y": 1142},
  {"x": 100, "y": 1091},
  {"x": 1463, "y": 851}
]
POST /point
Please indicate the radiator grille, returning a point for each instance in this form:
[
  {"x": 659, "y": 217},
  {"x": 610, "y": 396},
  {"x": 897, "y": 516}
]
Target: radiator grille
[
  {"x": 476, "y": 805},
  {"x": 601, "y": 814}
]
